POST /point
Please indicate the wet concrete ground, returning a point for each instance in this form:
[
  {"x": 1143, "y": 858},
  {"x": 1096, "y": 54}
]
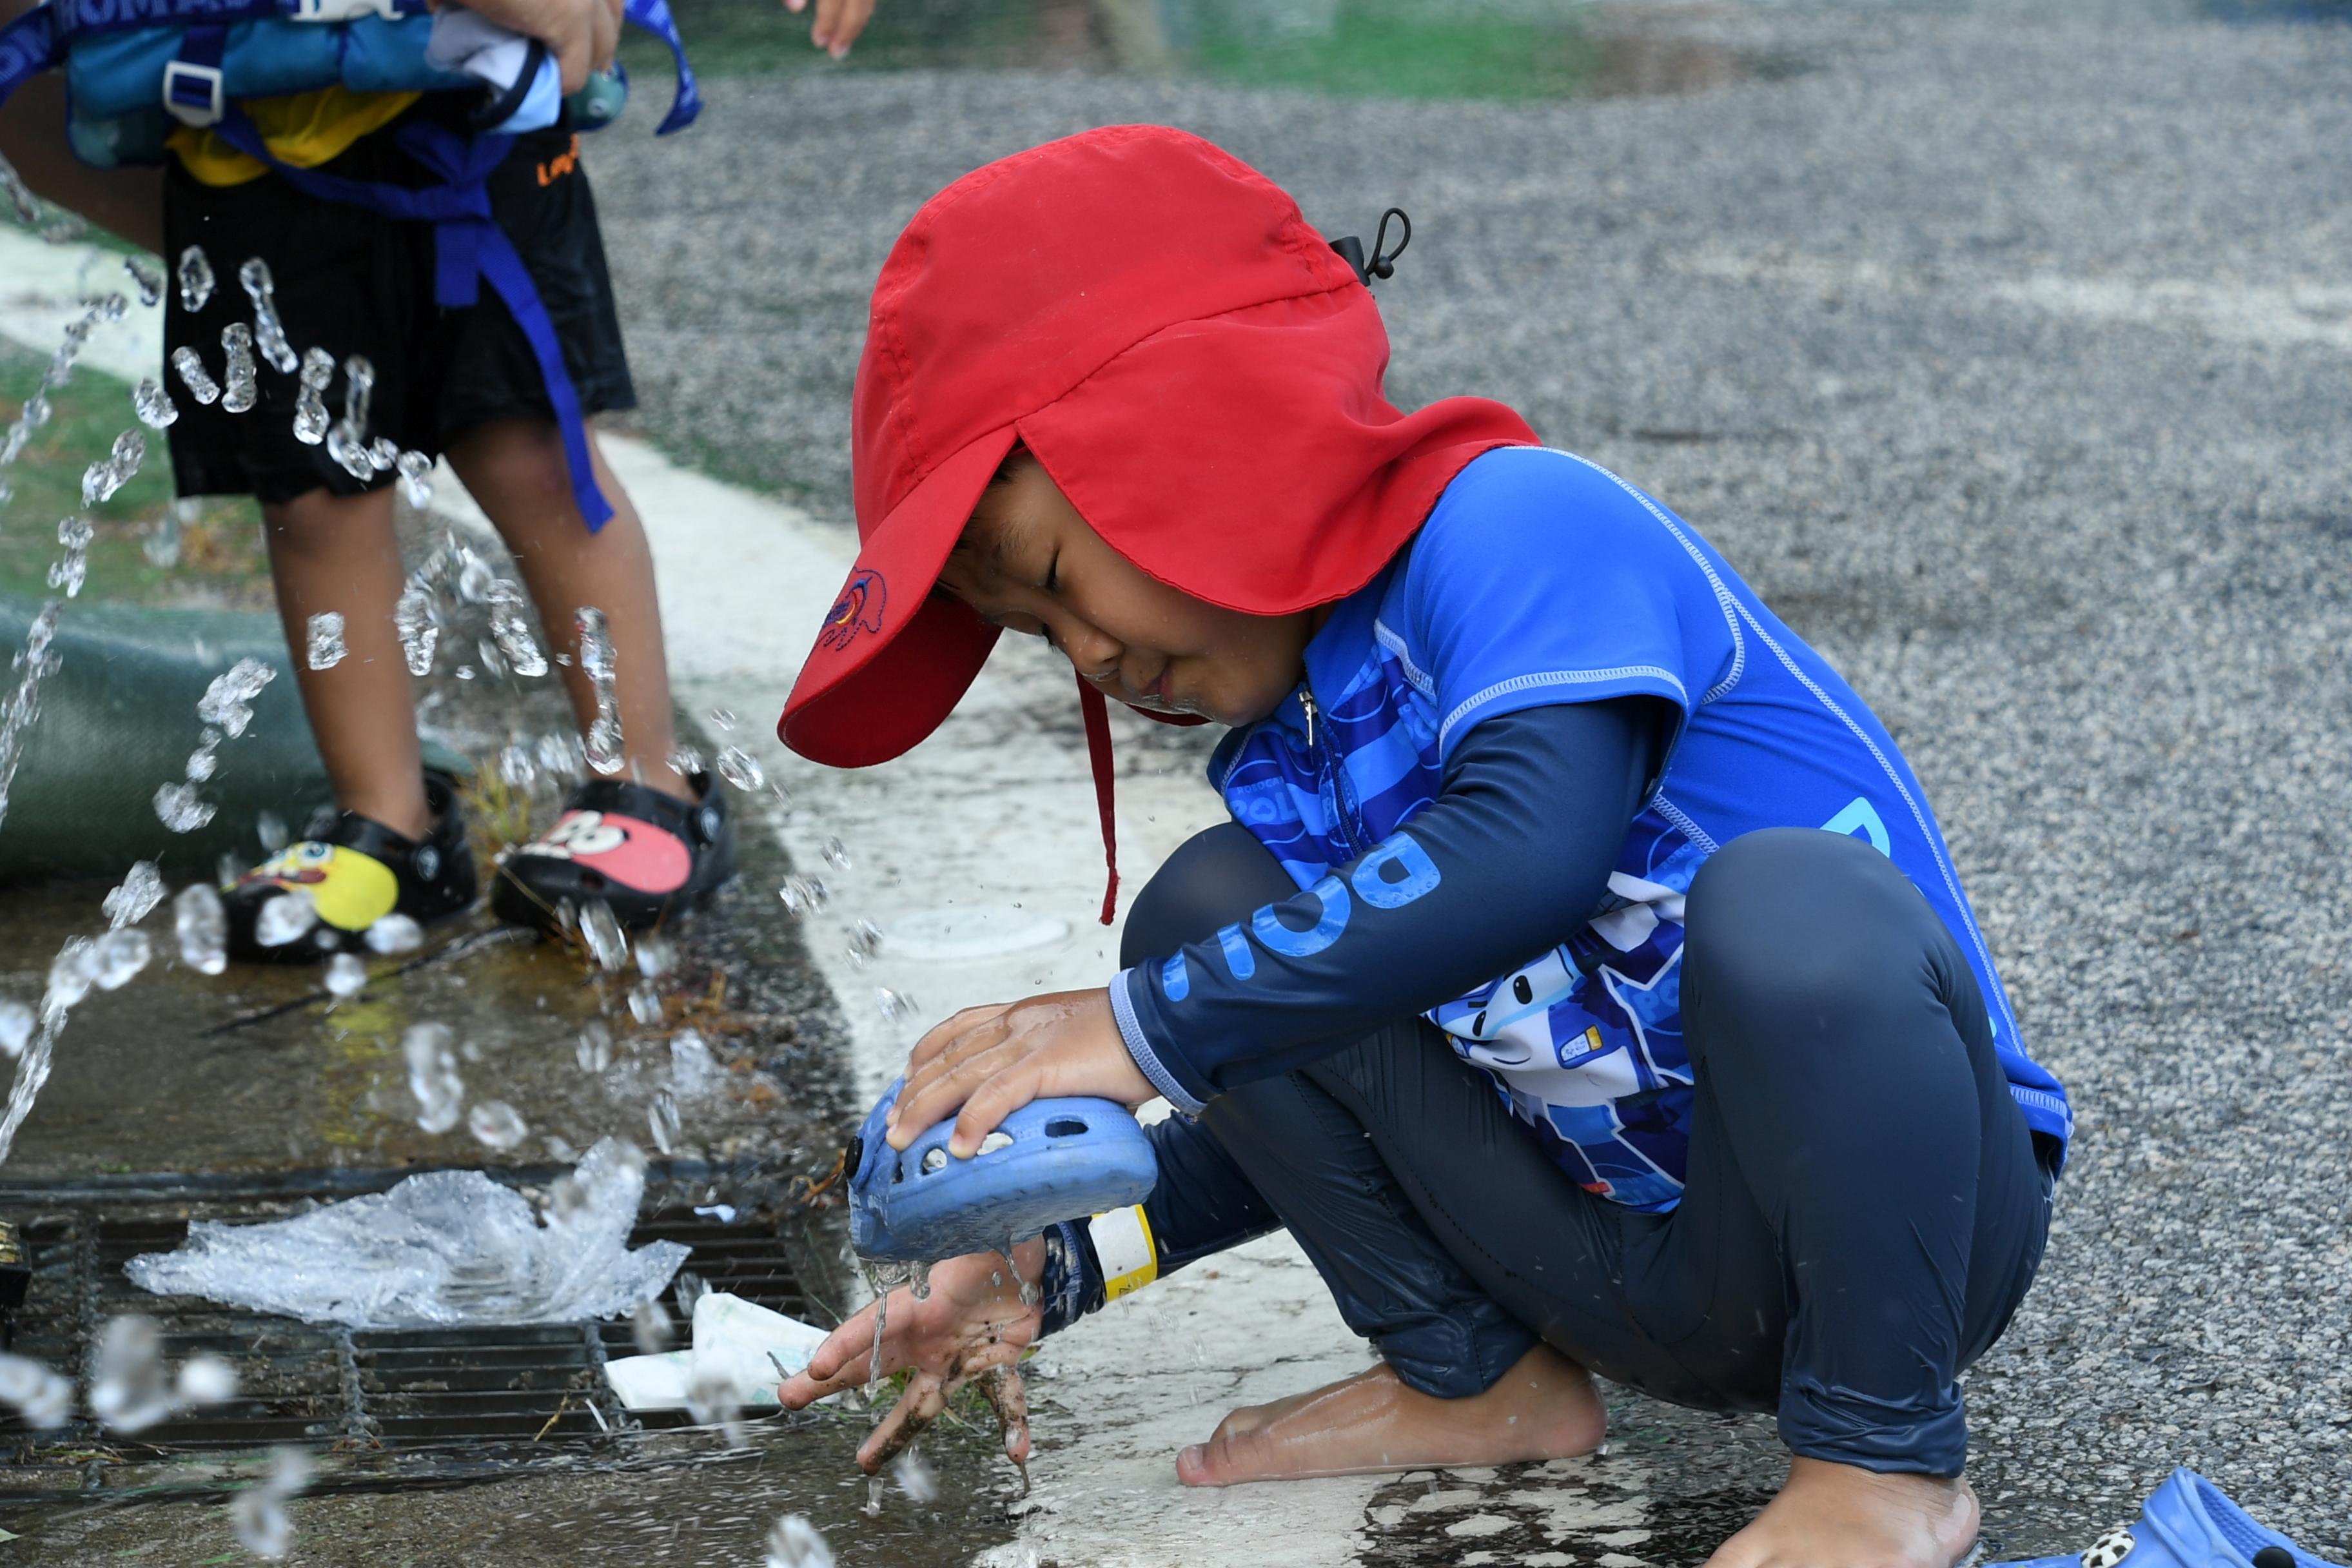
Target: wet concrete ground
[{"x": 180, "y": 1085}]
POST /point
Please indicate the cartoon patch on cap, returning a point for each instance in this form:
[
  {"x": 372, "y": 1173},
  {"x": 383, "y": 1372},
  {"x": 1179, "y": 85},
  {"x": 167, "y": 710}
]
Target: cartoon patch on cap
[{"x": 859, "y": 609}]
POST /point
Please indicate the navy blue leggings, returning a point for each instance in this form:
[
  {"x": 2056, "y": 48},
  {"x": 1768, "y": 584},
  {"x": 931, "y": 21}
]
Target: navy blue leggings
[{"x": 1865, "y": 1207}]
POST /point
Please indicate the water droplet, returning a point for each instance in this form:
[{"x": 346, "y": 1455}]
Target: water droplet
[
  {"x": 243, "y": 388},
  {"x": 685, "y": 761},
  {"x": 894, "y": 1007},
  {"x": 201, "y": 926},
  {"x": 511, "y": 626},
  {"x": 258, "y": 1514},
  {"x": 179, "y": 808},
  {"x": 195, "y": 282},
  {"x": 190, "y": 366},
  {"x": 118, "y": 956},
  {"x": 608, "y": 944},
  {"x": 227, "y": 702},
  {"x": 836, "y": 855},
  {"x": 656, "y": 954},
  {"x": 795, "y": 1543},
  {"x": 270, "y": 829},
  {"x": 153, "y": 405},
  {"x": 661, "y": 1118},
  {"x": 326, "y": 649},
  {"x": 723, "y": 717},
  {"x": 803, "y": 895},
  {"x": 147, "y": 276},
  {"x": 128, "y": 1389},
  {"x": 285, "y": 916},
  {"x": 865, "y": 942},
  {"x": 496, "y": 1124},
  {"x": 602, "y": 742},
  {"x": 102, "y": 479},
  {"x": 915, "y": 1478},
  {"x": 595, "y": 1046},
  {"x": 650, "y": 1325},
  {"x": 433, "y": 1076},
  {"x": 645, "y": 1003},
  {"x": 43, "y": 1397},
  {"x": 141, "y": 890},
  {"x": 346, "y": 975},
  {"x": 17, "y": 1021},
  {"x": 739, "y": 768},
  {"x": 268, "y": 333},
  {"x": 418, "y": 622},
  {"x": 395, "y": 934},
  {"x": 416, "y": 479},
  {"x": 690, "y": 1289}
]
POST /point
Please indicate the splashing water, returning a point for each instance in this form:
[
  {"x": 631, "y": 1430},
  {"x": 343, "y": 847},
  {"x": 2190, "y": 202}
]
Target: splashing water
[
  {"x": 346, "y": 976},
  {"x": 511, "y": 626},
  {"x": 418, "y": 621},
  {"x": 24, "y": 705},
  {"x": 608, "y": 944},
  {"x": 147, "y": 276},
  {"x": 495, "y": 1124},
  {"x": 803, "y": 895},
  {"x": 135, "y": 898},
  {"x": 739, "y": 768},
  {"x": 43, "y": 1398},
  {"x": 117, "y": 958},
  {"x": 433, "y": 1076},
  {"x": 201, "y": 925},
  {"x": 179, "y": 808},
  {"x": 347, "y": 443},
  {"x": 894, "y": 1006},
  {"x": 17, "y": 1024},
  {"x": 685, "y": 761},
  {"x": 723, "y": 717},
  {"x": 661, "y": 1120},
  {"x": 243, "y": 387},
  {"x": 196, "y": 279},
  {"x": 190, "y": 367},
  {"x": 915, "y": 1478},
  {"x": 270, "y": 829},
  {"x": 153, "y": 405},
  {"x": 102, "y": 479},
  {"x": 287, "y": 917},
  {"x": 415, "y": 479},
  {"x": 258, "y": 1514},
  {"x": 795, "y": 1543},
  {"x": 382, "y": 454},
  {"x": 655, "y": 955},
  {"x": 326, "y": 647},
  {"x": 646, "y": 1005},
  {"x": 651, "y": 1326},
  {"x": 70, "y": 570},
  {"x": 693, "y": 1069},
  {"x": 836, "y": 853},
  {"x": 227, "y": 702},
  {"x": 865, "y": 942},
  {"x": 604, "y": 737},
  {"x": 310, "y": 401},
  {"x": 268, "y": 333},
  {"x": 594, "y": 1049},
  {"x": 163, "y": 544},
  {"x": 393, "y": 935}
]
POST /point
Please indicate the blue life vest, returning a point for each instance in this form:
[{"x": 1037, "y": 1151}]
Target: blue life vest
[{"x": 135, "y": 67}]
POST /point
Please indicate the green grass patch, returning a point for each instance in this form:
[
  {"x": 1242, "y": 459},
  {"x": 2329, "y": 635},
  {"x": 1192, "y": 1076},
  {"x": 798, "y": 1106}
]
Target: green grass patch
[
  {"x": 221, "y": 561},
  {"x": 1359, "y": 48}
]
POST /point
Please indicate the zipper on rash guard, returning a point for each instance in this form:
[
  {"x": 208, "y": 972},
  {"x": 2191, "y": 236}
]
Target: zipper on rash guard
[{"x": 1334, "y": 780}]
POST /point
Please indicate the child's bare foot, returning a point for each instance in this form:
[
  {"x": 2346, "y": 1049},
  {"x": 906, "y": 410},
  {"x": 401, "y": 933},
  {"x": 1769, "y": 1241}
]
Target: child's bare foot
[
  {"x": 1544, "y": 1408},
  {"x": 1838, "y": 1516}
]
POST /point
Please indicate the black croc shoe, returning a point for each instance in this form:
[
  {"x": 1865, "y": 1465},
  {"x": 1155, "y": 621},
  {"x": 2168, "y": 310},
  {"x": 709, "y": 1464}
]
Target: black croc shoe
[
  {"x": 356, "y": 871},
  {"x": 642, "y": 852}
]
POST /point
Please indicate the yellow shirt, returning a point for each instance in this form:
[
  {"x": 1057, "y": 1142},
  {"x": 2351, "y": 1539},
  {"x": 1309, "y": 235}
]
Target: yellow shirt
[{"x": 304, "y": 129}]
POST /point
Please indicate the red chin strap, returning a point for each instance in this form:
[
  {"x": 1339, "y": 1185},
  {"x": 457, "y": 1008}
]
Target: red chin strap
[{"x": 1097, "y": 714}]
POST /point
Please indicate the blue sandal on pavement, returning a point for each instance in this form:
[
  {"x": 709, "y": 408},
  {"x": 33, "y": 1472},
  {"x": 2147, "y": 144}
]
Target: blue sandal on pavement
[
  {"x": 1050, "y": 1161},
  {"x": 2188, "y": 1523}
]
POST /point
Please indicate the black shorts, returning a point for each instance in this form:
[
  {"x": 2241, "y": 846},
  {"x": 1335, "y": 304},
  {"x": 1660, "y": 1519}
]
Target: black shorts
[{"x": 353, "y": 282}]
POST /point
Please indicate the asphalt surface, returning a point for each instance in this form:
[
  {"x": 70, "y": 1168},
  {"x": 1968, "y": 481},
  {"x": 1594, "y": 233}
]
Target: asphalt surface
[{"x": 2006, "y": 355}]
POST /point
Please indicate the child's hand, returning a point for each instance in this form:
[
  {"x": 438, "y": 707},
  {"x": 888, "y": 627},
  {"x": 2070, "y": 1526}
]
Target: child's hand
[
  {"x": 838, "y": 22},
  {"x": 974, "y": 1325},
  {"x": 989, "y": 1062}
]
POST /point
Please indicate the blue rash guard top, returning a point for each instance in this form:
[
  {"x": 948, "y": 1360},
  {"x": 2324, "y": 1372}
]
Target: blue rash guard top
[{"x": 1539, "y": 579}]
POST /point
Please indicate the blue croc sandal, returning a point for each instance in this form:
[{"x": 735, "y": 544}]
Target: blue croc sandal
[
  {"x": 1050, "y": 1161},
  {"x": 2188, "y": 1523}
]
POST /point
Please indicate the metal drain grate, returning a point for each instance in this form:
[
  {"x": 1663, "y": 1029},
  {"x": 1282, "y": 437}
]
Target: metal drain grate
[{"x": 394, "y": 1406}]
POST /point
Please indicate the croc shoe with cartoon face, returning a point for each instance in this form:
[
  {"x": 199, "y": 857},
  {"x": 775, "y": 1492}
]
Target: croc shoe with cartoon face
[
  {"x": 642, "y": 852},
  {"x": 2186, "y": 1523},
  {"x": 356, "y": 871}
]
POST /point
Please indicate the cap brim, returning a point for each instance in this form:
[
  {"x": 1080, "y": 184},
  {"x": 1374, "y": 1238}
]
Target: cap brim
[{"x": 893, "y": 659}]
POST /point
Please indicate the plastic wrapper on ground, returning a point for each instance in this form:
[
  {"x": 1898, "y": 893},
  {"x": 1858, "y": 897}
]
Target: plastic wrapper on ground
[{"x": 447, "y": 1247}]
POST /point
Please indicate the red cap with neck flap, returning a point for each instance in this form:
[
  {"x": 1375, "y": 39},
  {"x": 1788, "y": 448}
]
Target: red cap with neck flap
[{"x": 1196, "y": 368}]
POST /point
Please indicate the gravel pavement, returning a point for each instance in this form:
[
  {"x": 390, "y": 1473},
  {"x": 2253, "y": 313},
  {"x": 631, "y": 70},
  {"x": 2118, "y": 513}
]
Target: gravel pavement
[{"x": 2009, "y": 357}]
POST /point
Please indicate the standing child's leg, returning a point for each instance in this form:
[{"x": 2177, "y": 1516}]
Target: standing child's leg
[
  {"x": 330, "y": 553},
  {"x": 515, "y": 468}
]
